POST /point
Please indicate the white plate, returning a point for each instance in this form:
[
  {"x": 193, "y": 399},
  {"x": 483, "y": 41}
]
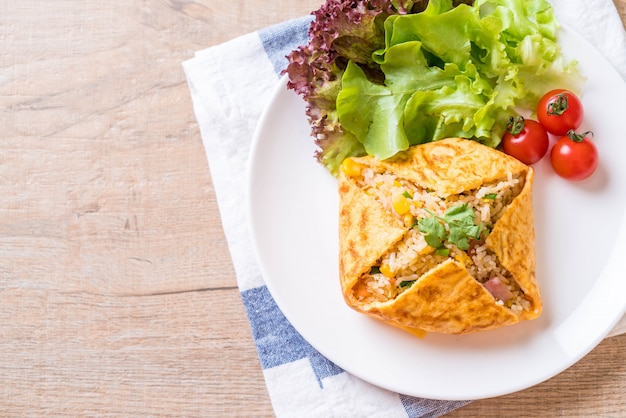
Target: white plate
[{"x": 580, "y": 243}]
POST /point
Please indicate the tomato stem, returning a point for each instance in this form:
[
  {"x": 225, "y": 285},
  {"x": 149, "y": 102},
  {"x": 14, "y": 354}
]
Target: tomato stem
[
  {"x": 515, "y": 125},
  {"x": 558, "y": 106},
  {"x": 571, "y": 134}
]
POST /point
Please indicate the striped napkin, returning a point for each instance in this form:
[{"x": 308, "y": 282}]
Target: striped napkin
[{"x": 230, "y": 85}]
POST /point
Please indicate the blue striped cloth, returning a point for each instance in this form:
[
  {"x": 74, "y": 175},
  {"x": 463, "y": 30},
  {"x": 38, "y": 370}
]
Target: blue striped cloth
[{"x": 230, "y": 85}]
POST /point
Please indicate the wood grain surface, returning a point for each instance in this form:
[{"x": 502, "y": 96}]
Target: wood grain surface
[{"x": 117, "y": 293}]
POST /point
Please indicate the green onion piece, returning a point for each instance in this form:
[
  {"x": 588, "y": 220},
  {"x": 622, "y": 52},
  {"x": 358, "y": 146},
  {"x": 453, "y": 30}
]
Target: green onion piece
[
  {"x": 407, "y": 195},
  {"x": 443, "y": 251},
  {"x": 375, "y": 270},
  {"x": 407, "y": 283},
  {"x": 491, "y": 196}
]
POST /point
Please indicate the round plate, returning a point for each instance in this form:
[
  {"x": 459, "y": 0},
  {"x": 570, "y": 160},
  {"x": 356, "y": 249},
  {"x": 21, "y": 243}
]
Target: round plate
[{"x": 580, "y": 243}]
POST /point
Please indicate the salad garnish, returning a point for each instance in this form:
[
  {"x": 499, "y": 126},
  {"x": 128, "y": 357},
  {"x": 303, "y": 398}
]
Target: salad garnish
[{"x": 381, "y": 75}]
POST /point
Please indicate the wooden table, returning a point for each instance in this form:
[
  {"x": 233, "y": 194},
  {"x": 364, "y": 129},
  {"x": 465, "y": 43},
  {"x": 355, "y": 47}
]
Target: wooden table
[{"x": 117, "y": 294}]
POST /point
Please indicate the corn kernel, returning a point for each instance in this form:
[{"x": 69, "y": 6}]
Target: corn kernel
[
  {"x": 408, "y": 220},
  {"x": 463, "y": 258},
  {"x": 351, "y": 168},
  {"x": 386, "y": 270},
  {"x": 427, "y": 250},
  {"x": 401, "y": 204}
]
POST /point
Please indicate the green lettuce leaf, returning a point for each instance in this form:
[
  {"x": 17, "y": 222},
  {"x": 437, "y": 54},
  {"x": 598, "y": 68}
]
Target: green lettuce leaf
[
  {"x": 372, "y": 112},
  {"x": 453, "y": 71},
  {"x": 341, "y": 31}
]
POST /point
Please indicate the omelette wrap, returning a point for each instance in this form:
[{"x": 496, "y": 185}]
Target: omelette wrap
[{"x": 439, "y": 238}]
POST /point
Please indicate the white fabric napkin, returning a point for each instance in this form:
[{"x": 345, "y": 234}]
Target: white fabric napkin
[{"x": 230, "y": 85}]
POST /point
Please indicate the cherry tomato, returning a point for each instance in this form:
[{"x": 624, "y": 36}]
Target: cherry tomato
[
  {"x": 574, "y": 156},
  {"x": 526, "y": 140},
  {"x": 560, "y": 111}
]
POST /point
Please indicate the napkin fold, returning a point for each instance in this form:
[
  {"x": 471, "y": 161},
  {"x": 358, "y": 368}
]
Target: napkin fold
[{"x": 230, "y": 85}]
